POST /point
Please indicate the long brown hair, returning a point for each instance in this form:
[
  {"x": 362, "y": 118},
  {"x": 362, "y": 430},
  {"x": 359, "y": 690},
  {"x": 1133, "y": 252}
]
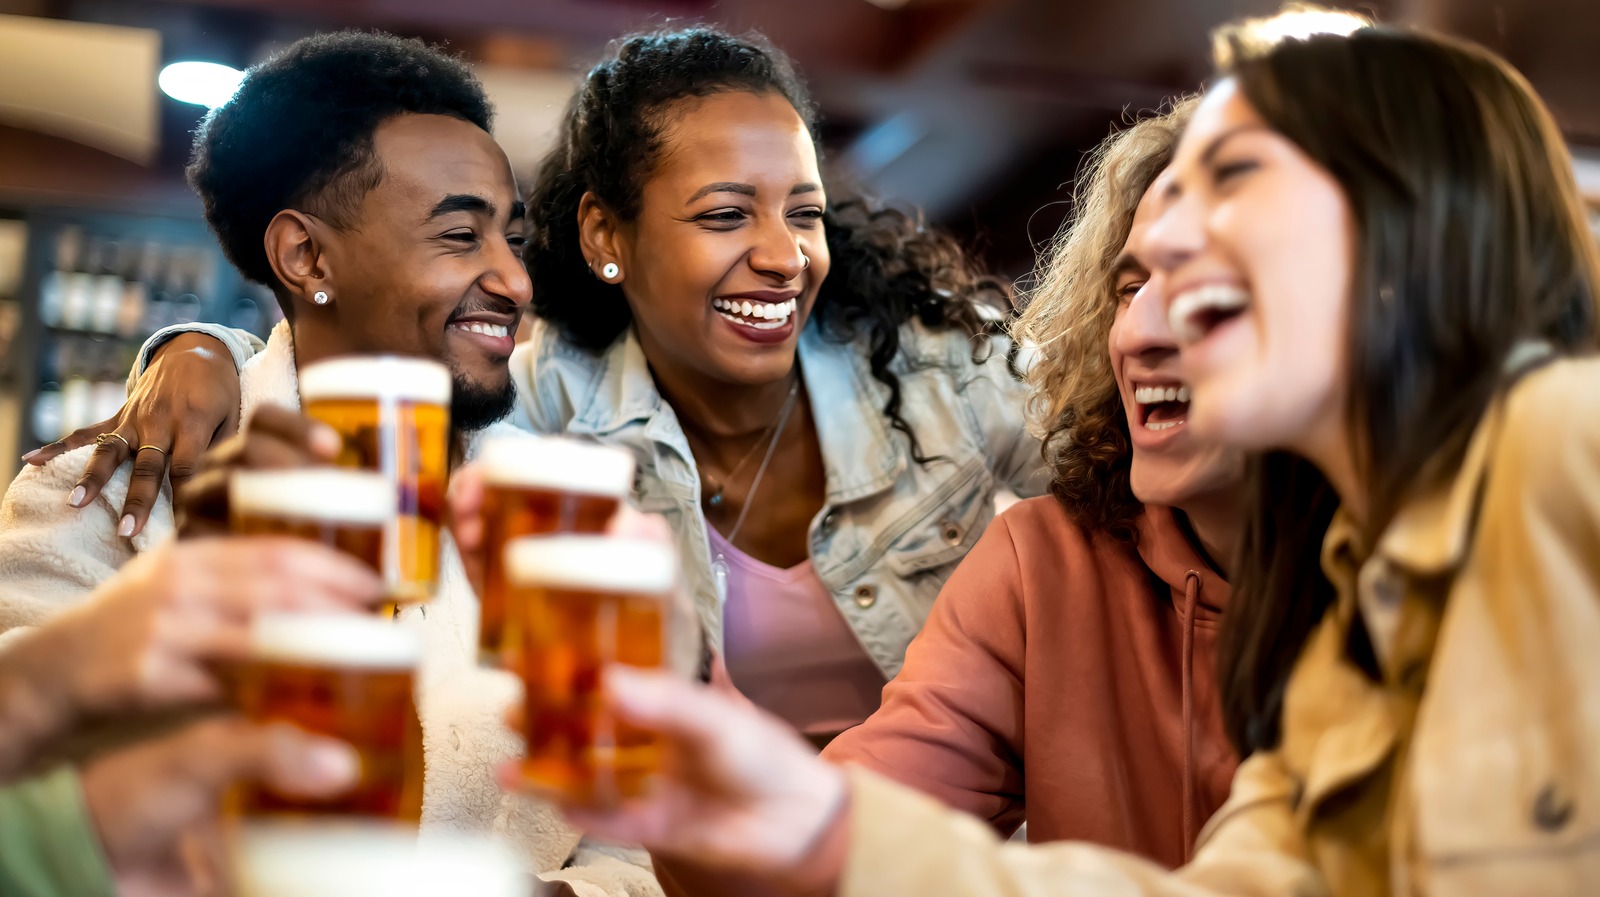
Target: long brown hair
[
  {"x": 1073, "y": 405},
  {"x": 1472, "y": 238}
]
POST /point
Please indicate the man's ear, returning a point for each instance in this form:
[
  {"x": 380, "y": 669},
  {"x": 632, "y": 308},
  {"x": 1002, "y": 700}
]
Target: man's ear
[{"x": 295, "y": 249}]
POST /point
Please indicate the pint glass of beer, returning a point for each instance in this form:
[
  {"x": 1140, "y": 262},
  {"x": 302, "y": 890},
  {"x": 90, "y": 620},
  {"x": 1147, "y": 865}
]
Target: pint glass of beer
[
  {"x": 347, "y": 676},
  {"x": 394, "y": 416},
  {"x": 343, "y": 509},
  {"x": 585, "y": 602},
  {"x": 536, "y": 486}
]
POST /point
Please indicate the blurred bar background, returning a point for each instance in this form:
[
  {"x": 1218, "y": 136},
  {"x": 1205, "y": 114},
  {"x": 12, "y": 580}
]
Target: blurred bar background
[{"x": 978, "y": 111}]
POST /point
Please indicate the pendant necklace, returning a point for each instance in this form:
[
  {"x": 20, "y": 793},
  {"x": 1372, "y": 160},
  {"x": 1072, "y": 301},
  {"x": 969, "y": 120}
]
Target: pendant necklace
[
  {"x": 714, "y": 495},
  {"x": 719, "y": 567}
]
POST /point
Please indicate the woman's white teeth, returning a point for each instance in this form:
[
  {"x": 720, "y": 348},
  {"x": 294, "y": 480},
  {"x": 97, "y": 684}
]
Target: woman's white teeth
[
  {"x": 1147, "y": 395},
  {"x": 1161, "y": 425},
  {"x": 498, "y": 330},
  {"x": 1188, "y": 309},
  {"x": 771, "y": 315}
]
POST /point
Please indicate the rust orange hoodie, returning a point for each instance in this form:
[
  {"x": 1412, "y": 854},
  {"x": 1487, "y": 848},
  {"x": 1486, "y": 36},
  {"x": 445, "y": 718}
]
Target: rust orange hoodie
[{"x": 1065, "y": 678}]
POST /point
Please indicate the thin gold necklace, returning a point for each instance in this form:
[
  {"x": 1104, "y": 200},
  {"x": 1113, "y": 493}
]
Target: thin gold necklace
[
  {"x": 713, "y": 489},
  {"x": 719, "y": 567}
]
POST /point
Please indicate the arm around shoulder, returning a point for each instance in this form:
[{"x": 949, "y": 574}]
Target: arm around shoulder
[{"x": 242, "y": 345}]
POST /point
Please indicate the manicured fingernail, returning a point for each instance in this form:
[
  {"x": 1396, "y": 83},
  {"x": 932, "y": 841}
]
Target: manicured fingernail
[
  {"x": 325, "y": 440},
  {"x": 76, "y": 498},
  {"x": 28, "y": 458},
  {"x": 330, "y": 764},
  {"x": 126, "y": 529}
]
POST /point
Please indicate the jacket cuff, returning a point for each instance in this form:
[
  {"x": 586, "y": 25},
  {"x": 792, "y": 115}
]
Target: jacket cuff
[
  {"x": 894, "y": 834},
  {"x": 242, "y": 344},
  {"x": 48, "y": 844}
]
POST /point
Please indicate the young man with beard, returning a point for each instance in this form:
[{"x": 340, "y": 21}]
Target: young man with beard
[{"x": 355, "y": 175}]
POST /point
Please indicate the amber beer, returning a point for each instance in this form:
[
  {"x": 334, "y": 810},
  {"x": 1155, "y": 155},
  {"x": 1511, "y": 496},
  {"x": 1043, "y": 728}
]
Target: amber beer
[
  {"x": 343, "y": 509},
  {"x": 348, "y": 676},
  {"x": 537, "y": 486},
  {"x": 394, "y": 416},
  {"x": 586, "y": 602}
]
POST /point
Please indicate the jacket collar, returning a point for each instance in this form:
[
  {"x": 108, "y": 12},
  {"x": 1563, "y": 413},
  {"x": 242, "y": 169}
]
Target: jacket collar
[
  {"x": 269, "y": 376},
  {"x": 1430, "y": 534},
  {"x": 858, "y": 449},
  {"x": 622, "y": 392},
  {"x": 1166, "y": 549}
]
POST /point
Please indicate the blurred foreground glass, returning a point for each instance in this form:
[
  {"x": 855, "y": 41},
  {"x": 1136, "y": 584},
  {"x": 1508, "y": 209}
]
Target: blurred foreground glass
[
  {"x": 354, "y": 861},
  {"x": 585, "y": 602},
  {"x": 343, "y": 509},
  {"x": 394, "y": 417},
  {"x": 348, "y": 676},
  {"x": 537, "y": 486}
]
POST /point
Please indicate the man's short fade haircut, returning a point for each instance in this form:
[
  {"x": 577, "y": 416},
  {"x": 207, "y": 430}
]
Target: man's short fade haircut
[{"x": 298, "y": 134}]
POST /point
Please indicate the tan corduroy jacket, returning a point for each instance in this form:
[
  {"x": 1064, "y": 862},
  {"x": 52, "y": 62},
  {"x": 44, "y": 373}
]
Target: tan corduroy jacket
[{"x": 1469, "y": 765}]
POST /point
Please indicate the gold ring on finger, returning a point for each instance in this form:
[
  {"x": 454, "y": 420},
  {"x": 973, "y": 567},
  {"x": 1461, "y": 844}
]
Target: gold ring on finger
[
  {"x": 156, "y": 448},
  {"x": 105, "y": 438}
]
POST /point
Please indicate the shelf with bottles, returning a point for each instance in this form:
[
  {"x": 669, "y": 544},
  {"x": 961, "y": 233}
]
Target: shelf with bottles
[{"x": 101, "y": 285}]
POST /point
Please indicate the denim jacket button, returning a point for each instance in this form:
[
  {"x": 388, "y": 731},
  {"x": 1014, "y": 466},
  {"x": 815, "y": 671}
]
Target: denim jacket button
[
  {"x": 827, "y": 524},
  {"x": 866, "y": 596},
  {"x": 951, "y": 532}
]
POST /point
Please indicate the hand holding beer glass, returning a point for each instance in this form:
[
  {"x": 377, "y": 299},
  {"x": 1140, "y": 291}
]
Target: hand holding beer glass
[{"x": 394, "y": 416}]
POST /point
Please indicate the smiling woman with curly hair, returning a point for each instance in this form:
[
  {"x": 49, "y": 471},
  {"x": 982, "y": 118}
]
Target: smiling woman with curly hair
[{"x": 818, "y": 388}]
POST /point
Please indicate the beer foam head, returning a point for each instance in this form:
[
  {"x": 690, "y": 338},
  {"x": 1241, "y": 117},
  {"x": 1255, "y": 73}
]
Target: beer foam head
[
  {"x": 341, "y": 859},
  {"x": 376, "y": 377},
  {"x": 592, "y": 563},
  {"x": 556, "y": 464},
  {"x": 326, "y": 639},
  {"x": 321, "y": 494}
]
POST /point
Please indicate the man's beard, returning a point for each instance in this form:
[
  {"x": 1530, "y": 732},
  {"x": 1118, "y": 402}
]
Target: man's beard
[{"x": 474, "y": 406}]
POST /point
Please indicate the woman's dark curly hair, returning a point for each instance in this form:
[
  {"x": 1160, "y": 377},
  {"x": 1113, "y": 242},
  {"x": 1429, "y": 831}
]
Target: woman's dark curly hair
[
  {"x": 298, "y": 133},
  {"x": 887, "y": 269}
]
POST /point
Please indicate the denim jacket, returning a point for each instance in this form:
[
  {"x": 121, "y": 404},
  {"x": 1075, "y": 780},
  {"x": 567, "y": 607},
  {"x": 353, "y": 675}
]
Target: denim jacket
[{"x": 890, "y": 530}]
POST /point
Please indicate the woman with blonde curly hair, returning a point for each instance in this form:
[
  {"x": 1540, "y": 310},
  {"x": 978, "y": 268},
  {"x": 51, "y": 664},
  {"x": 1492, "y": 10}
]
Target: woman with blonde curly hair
[{"x": 1066, "y": 675}]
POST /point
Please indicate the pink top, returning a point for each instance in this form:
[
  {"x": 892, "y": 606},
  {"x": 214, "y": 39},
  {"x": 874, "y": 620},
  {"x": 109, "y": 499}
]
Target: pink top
[{"x": 786, "y": 647}]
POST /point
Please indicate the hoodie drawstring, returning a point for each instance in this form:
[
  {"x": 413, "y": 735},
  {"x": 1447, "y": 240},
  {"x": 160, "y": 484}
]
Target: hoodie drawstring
[{"x": 1191, "y": 597}]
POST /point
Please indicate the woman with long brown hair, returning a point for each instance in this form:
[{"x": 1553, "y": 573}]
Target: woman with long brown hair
[{"x": 1379, "y": 269}]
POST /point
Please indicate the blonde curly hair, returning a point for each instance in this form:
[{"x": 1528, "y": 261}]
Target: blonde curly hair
[{"x": 1073, "y": 406}]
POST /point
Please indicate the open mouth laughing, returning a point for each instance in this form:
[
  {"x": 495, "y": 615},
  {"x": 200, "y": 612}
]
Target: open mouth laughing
[
  {"x": 756, "y": 315},
  {"x": 492, "y": 331},
  {"x": 1161, "y": 406},
  {"x": 1198, "y": 312}
]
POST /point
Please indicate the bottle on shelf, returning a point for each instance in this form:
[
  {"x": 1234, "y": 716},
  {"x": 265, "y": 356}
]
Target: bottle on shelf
[{"x": 55, "y": 284}]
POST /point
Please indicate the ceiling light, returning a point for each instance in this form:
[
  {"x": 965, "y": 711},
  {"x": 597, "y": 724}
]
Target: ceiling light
[{"x": 206, "y": 84}]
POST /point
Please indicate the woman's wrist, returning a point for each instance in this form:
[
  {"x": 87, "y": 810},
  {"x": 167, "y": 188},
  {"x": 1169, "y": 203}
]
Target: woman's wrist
[{"x": 820, "y": 866}]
